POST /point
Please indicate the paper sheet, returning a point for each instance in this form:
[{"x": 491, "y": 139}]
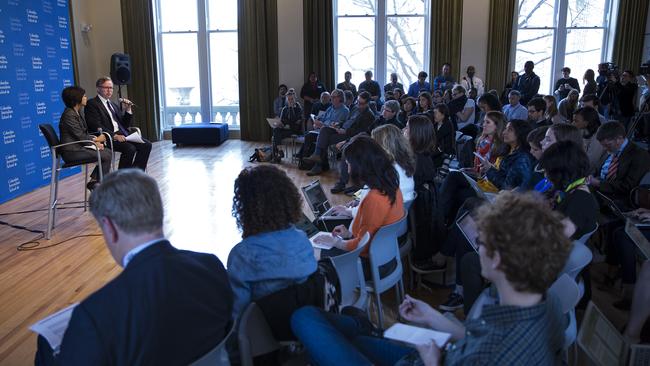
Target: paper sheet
[
  {"x": 53, "y": 326},
  {"x": 135, "y": 137},
  {"x": 416, "y": 335},
  {"x": 320, "y": 245}
]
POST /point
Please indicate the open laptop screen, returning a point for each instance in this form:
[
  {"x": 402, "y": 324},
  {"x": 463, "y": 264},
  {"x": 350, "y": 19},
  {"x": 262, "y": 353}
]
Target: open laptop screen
[
  {"x": 307, "y": 226},
  {"x": 316, "y": 198},
  {"x": 468, "y": 227}
]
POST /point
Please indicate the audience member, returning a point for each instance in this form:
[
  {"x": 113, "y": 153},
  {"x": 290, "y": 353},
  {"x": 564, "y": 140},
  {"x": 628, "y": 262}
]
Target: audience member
[
  {"x": 393, "y": 84},
  {"x": 104, "y": 115},
  {"x": 603, "y": 76},
  {"x": 311, "y": 91},
  {"x": 72, "y": 128},
  {"x": 566, "y": 166},
  {"x": 561, "y": 132},
  {"x": 591, "y": 100},
  {"x": 536, "y": 112},
  {"x": 487, "y": 103},
  {"x": 359, "y": 120},
  {"x": 436, "y": 97},
  {"x": 347, "y": 85},
  {"x": 291, "y": 118},
  {"x": 399, "y": 151},
  {"x": 321, "y": 106},
  {"x": 625, "y": 165},
  {"x": 591, "y": 87},
  {"x": 514, "y": 109},
  {"x": 586, "y": 119},
  {"x": 537, "y": 179},
  {"x": 445, "y": 134},
  {"x": 425, "y": 105},
  {"x": 371, "y": 166},
  {"x": 464, "y": 117},
  {"x": 444, "y": 81},
  {"x": 568, "y": 105},
  {"x": 619, "y": 96},
  {"x": 528, "y": 83},
  {"x": 388, "y": 116},
  {"x": 565, "y": 84},
  {"x": 471, "y": 81},
  {"x": 371, "y": 87},
  {"x": 409, "y": 107},
  {"x": 167, "y": 306},
  {"x": 514, "y": 170},
  {"x": 527, "y": 326},
  {"x": 333, "y": 118},
  {"x": 398, "y": 93},
  {"x": 273, "y": 253},
  {"x": 420, "y": 85},
  {"x": 552, "y": 114},
  {"x": 280, "y": 101},
  {"x": 509, "y": 86}
]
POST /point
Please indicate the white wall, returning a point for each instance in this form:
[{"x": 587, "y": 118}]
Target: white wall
[
  {"x": 475, "y": 36},
  {"x": 94, "y": 48},
  {"x": 291, "y": 56}
]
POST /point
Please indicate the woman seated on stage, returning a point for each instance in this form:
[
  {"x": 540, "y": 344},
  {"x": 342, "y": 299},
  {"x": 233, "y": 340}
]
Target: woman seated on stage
[
  {"x": 265, "y": 205},
  {"x": 73, "y": 127}
]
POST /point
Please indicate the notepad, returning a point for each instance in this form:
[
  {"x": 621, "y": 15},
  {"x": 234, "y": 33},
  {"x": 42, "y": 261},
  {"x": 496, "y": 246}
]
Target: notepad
[
  {"x": 416, "y": 335},
  {"x": 53, "y": 327}
]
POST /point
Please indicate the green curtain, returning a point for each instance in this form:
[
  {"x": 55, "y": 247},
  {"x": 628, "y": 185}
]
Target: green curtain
[
  {"x": 501, "y": 16},
  {"x": 139, "y": 35},
  {"x": 446, "y": 36},
  {"x": 318, "y": 35},
  {"x": 258, "y": 66},
  {"x": 630, "y": 29}
]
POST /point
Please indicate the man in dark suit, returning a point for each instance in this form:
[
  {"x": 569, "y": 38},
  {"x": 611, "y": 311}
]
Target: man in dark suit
[
  {"x": 624, "y": 165},
  {"x": 102, "y": 113},
  {"x": 167, "y": 307}
]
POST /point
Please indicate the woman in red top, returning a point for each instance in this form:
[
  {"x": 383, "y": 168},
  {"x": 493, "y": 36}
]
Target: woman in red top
[{"x": 490, "y": 141}]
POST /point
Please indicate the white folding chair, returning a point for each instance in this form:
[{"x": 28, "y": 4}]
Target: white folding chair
[
  {"x": 218, "y": 356},
  {"x": 350, "y": 273}
]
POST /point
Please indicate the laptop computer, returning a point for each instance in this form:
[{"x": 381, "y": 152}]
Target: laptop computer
[
  {"x": 638, "y": 238},
  {"x": 490, "y": 197},
  {"x": 468, "y": 227},
  {"x": 312, "y": 231},
  {"x": 620, "y": 214},
  {"x": 605, "y": 345},
  {"x": 318, "y": 202},
  {"x": 275, "y": 122}
]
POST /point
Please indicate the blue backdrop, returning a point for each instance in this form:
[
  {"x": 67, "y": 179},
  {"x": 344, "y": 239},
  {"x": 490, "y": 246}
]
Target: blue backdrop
[{"x": 35, "y": 65}]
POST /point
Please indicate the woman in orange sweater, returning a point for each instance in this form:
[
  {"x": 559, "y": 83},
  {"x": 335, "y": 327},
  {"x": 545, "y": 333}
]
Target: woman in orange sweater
[{"x": 368, "y": 165}]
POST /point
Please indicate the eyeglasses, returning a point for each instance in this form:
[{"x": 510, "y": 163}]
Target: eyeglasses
[{"x": 106, "y": 87}]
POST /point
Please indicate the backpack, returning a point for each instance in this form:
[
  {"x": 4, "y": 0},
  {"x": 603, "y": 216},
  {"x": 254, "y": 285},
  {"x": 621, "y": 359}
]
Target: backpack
[
  {"x": 262, "y": 155},
  {"x": 465, "y": 151}
]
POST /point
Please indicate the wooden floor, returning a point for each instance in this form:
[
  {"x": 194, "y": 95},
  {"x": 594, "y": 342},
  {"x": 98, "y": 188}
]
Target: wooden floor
[{"x": 197, "y": 188}]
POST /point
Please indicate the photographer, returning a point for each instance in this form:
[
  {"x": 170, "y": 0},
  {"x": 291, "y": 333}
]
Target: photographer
[{"x": 619, "y": 96}]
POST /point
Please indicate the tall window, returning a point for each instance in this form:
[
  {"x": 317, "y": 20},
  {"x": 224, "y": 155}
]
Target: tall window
[
  {"x": 198, "y": 58},
  {"x": 383, "y": 36},
  {"x": 558, "y": 33}
]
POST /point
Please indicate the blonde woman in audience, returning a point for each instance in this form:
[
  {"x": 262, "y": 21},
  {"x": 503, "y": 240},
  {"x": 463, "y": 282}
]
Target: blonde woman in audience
[{"x": 552, "y": 113}]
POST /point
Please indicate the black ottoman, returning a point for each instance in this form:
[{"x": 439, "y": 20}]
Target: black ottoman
[{"x": 200, "y": 134}]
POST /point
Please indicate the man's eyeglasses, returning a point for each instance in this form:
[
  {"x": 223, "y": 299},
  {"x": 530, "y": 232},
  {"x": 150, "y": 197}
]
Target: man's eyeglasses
[{"x": 106, "y": 87}]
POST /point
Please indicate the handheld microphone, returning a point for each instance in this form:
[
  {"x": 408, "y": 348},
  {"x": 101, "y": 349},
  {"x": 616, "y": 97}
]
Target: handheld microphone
[{"x": 127, "y": 102}]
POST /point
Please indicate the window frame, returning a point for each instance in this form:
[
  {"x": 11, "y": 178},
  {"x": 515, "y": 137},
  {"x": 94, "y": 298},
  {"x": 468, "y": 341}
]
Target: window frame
[
  {"x": 381, "y": 45},
  {"x": 558, "y": 54},
  {"x": 202, "y": 33}
]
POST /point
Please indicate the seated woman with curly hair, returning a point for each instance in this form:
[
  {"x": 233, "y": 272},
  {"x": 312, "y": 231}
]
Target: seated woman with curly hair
[
  {"x": 273, "y": 254},
  {"x": 370, "y": 165}
]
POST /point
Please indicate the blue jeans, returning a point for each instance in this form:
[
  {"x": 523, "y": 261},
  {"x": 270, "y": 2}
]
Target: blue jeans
[{"x": 333, "y": 339}]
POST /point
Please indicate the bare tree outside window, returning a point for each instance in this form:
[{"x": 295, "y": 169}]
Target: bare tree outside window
[
  {"x": 539, "y": 27},
  {"x": 404, "y": 26}
]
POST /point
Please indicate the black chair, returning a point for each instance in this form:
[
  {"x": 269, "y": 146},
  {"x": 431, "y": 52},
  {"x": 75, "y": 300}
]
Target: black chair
[{"x": 53, "y": 141}]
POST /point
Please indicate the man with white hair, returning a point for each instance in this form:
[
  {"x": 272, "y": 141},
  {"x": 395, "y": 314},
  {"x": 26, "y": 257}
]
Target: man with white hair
[{"x": 168, "y": 306}]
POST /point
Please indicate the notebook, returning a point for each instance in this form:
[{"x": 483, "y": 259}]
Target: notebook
[
  {"x": 490, "y": 197},
  {"x": 620, "y": 214},
  {"x": 312, "y": 232},
  {"x": 605, "y": 345}
]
